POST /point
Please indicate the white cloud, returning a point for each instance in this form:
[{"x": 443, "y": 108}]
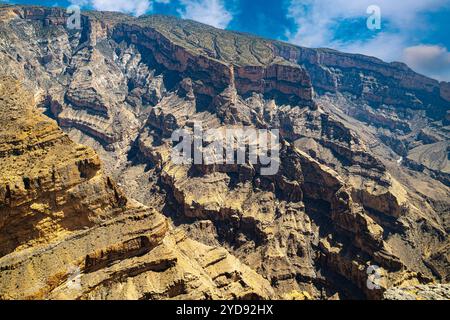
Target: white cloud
[
  {"x": 429, "y": 59},
  {"x": 211, "y": 12},
  {"x": 317, "y": 20},
  {"x": 135, "y": 7}
]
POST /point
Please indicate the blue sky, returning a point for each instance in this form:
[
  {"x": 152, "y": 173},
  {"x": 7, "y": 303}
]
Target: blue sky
[{"x": 412, "y": 31}]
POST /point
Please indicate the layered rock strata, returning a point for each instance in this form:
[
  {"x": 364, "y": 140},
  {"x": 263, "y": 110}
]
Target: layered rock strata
[
  {"x": 363, "y": 179},
  {"x": 68, "y": 232}
]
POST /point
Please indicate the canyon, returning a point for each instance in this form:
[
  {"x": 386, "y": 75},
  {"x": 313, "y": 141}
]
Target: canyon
[{"x": 92, "y": 206}]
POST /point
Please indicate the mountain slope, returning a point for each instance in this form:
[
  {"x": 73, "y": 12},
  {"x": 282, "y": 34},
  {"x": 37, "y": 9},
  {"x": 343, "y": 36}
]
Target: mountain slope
[{"x": 68, "y": 232}]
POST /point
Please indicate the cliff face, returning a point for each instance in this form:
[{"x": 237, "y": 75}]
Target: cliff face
[
  {"x": 49, "y": 185},
  {"x": 68, "y": 232},
  {"x": 341, "y": 203}
]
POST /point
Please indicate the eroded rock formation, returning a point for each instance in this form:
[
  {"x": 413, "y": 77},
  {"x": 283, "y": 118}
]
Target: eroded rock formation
[{"x": 68, "y": 232}]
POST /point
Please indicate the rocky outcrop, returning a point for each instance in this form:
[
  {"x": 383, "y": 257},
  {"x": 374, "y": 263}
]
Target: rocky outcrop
[
  {"x": 68, "y": 171},
  {"x": 430, "y": 292},
  {"x": 371, "y": 79},
  {"x": 445, "y": 90},
  {"x": 281, "y": 78},
  {"x": 258, "y": 207},
  {"x": 50, "y": 16},
  {"x": 68, "y": 232}
]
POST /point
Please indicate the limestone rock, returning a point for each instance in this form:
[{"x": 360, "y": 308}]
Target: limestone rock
[{"x": 68, "y": 232}]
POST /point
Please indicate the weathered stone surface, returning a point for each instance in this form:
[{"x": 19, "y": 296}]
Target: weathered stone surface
[
  {"x": 49, "y": 185},
  {"x": 430, "y": 292},
  {"x": 68, "y": 232}
]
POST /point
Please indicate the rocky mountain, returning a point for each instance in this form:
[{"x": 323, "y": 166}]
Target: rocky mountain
[
  {"x": 363, "y": 183},
  {"x": 68, "y": 232}
]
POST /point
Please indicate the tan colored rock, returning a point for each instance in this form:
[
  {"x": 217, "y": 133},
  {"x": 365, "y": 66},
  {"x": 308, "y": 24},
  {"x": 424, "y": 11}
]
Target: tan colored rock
[{"x": 68, "y": 232}]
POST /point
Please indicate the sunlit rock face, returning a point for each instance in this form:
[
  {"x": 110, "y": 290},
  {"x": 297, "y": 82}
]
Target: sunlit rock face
[{"x": 362, "y": 185}]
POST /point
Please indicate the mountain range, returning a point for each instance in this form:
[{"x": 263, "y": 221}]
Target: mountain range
[{"x": 92, "y": 205}]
